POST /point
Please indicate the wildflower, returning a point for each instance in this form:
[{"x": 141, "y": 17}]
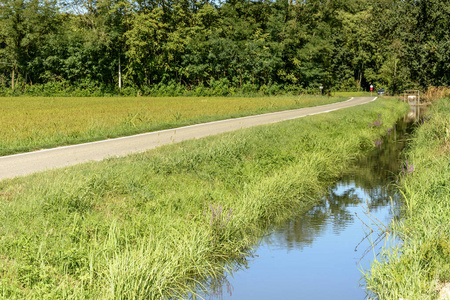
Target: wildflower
[
  {"x": 377, "y": 123},
  {"x": 228, "y": 215},
  {"x": 378, "y": 143},
  {"x": 409, "y": 168}
]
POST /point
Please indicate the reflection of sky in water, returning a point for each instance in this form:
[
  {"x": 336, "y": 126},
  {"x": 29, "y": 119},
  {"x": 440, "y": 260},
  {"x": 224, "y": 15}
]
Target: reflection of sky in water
[{"x": 313, "y": 257}]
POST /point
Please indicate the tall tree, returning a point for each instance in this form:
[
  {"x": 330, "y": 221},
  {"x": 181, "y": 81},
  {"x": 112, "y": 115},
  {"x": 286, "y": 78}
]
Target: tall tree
[{"x": 24, "y": 26}]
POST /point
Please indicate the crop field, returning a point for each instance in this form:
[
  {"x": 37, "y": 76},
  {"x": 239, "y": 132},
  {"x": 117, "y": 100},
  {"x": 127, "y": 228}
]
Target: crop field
[
  {"x": 420, "y": 265},
  {"x": 33, "y": 123},
  {"x": 354, "y": 94},
  {"x": 173, "y": 220}
]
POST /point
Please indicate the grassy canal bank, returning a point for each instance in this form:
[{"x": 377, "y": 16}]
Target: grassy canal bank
[
  {"x": 420, "y": 266},
  {"x": 152, "y": 225}
]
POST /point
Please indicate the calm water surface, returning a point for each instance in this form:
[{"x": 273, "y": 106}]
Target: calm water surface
[{"x": 320, "y": 254}]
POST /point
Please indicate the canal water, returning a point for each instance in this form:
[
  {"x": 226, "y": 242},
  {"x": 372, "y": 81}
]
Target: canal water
[{"x": 321, "y": 254}]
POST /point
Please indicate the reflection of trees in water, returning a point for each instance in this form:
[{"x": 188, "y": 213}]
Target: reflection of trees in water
[
  {"x": 374, "y": 174},
  {"x": 301, "y": 231},
  {"x": 382, "y": 165}
]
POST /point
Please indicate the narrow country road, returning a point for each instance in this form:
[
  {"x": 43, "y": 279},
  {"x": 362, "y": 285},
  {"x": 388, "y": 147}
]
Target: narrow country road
[{"x": 32, "y": 162}]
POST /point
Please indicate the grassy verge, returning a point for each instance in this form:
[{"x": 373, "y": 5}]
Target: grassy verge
[
  {"x": 33, "y": 123},
  {"x": 421, "y": 265},
  {"x": 153, "y": 225}
]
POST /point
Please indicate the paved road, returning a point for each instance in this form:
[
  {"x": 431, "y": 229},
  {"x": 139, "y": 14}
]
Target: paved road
[{"x": 31, "y": 162}]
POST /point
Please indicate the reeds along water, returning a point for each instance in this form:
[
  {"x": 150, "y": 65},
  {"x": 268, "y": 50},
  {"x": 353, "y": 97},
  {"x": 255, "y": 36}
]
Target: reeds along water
[{"x": 421, "y": 265}]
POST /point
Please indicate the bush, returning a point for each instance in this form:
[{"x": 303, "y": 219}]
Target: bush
[
  {"x": 214, "y": 88},
  {"x": 249, "y": 89},
  {"x": 219, "y": 87}
]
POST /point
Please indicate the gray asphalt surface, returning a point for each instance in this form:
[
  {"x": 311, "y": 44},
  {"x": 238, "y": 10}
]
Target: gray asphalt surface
[{"x": 32, "y": 162}]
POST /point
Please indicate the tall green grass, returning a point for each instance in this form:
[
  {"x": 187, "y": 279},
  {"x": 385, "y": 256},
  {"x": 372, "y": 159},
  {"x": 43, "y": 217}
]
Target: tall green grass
[
  {"x": 33, "y": 123},
  {"x": 420, "y": 265},
  {"x": 164, "y": 223}
]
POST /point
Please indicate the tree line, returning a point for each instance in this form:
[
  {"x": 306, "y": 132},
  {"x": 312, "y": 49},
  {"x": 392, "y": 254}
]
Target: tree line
[{"x": 252, "y": 46}]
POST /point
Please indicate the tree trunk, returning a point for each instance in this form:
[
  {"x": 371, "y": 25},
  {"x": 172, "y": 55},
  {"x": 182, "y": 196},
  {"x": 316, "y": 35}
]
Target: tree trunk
[
  {"x": 395, "y": 75},
  {"x": 12, "y": 78},
  {"x": 120, "y": 77}
]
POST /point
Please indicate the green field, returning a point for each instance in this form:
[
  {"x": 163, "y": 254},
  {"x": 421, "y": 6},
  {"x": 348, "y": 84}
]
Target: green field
[
  {"x": 157, "y": 224},
  {"x": 421, "y": 265},
  {"x": 33, "y": 123}
]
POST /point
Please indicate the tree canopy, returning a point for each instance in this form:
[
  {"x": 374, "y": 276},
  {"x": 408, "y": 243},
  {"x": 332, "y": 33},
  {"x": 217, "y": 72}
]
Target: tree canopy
[{"x": 343, "y": 45}]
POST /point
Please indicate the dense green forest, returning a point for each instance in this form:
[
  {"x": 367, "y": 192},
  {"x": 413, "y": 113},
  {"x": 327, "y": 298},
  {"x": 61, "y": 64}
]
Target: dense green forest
[{"x": 252, "y": 46}]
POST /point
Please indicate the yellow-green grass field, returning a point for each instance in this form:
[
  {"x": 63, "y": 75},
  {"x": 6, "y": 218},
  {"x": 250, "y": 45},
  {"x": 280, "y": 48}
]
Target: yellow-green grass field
[
  {"x": 354, "y": 94},
  {"x": 32, "y": 123}
]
